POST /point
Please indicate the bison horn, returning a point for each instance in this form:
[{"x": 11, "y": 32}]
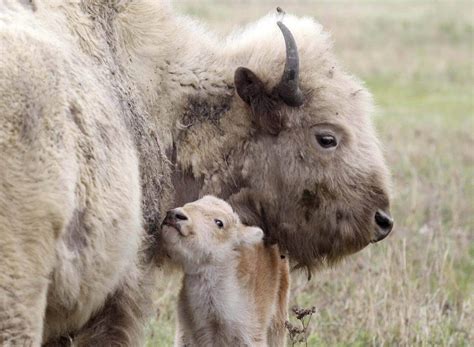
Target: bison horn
[{"x": 288, "y": 89}]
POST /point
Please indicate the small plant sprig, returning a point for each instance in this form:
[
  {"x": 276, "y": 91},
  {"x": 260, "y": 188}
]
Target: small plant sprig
[{"x": 299, "y": 334}]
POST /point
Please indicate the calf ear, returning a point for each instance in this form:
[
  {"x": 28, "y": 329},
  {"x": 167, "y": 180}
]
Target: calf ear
[
  {"x": 251, "y": 236},
  {"x": 264, "y": 108}
]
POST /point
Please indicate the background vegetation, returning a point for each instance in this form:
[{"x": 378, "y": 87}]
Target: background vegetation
[{"x": 415, "y": 288}]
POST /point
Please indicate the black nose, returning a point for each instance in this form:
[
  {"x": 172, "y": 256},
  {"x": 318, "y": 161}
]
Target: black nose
[
  {"x": 384, "y": 223},
  {"x": 175, "y": 215}
]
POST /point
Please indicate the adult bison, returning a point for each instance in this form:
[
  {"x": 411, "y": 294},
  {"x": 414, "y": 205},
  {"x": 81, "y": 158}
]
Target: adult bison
[{"x": 112, "y": 111}]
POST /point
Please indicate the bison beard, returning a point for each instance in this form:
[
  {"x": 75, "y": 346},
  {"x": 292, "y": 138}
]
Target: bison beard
[{"x": 322, "y": 246}]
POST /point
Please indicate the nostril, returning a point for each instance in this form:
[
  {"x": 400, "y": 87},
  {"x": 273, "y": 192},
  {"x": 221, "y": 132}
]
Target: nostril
[
  {"x": 175, "y": 215},
  {"x": 384, "y": 221},
  {"x": 180, "y": 216}
]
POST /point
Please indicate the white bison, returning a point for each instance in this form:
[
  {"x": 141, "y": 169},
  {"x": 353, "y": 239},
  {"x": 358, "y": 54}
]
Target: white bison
[{"x": 113, "y": 111}]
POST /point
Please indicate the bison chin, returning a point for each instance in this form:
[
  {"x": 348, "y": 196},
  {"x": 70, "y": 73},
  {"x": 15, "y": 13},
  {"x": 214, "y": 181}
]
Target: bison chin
[{"x": 311, "y": 239}]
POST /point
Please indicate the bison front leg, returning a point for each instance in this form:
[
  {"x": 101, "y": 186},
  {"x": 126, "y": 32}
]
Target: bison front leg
[
  {"x": 27, "y": 257},
  {"x": 33, "y": 212},
  {"x": 35, "y": 203},
  {"x": 32, "y": 217}
]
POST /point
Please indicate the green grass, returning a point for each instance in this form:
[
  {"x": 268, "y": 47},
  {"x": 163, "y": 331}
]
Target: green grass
[{"x": 416, "y": 288}]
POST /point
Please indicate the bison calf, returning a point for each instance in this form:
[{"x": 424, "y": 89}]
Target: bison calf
[{"x": 235, "y": 289}]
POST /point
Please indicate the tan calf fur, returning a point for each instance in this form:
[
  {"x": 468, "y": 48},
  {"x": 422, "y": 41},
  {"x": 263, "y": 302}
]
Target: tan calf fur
[{"x": 235, "y": 289}]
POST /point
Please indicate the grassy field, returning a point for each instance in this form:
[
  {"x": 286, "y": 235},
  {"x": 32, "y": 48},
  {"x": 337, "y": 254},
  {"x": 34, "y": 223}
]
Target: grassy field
[{"x": 416, "y": 288}]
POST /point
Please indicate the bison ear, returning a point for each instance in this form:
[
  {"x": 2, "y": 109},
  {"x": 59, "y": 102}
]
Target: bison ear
[
  {"x": 248, "y": 85},
  {"x": 264, "y": 108}
]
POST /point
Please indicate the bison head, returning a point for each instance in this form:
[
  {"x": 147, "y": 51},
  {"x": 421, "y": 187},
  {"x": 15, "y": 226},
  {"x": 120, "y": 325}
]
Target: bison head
[
  {"x": 288, "y": 141},
  {"x": 312, "y": 173}
]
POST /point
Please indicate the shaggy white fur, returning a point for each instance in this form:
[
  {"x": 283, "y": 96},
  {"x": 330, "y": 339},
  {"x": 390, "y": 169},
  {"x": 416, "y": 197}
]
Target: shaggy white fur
[{"x": 93, "y": 94}]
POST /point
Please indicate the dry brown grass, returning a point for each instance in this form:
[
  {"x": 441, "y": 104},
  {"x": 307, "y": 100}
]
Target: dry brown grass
[{"x": 415, "y": 288}]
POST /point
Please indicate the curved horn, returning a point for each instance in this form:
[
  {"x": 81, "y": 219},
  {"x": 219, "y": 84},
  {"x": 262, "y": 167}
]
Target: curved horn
[{"x": 288, "y": 88}]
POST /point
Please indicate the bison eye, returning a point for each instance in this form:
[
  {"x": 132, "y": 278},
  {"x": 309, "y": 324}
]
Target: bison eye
[
  {"x": 219, "y": 223},
  {"x": 326, "y": 140}
]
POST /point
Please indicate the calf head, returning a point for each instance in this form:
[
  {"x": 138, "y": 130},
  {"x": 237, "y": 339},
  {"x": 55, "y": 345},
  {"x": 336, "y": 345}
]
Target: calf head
[{"x": 205, "y": 232}]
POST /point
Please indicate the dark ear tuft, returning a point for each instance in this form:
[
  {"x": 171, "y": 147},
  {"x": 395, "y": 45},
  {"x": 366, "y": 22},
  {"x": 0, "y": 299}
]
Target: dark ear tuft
[
  {"x": 264, "y": 108},
  {"x": 267, "y": 114},
  {"x": 248, "y": 85}
]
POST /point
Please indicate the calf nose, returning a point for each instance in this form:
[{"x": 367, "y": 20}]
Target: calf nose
[
  {"x": 176, "y": 215},
  {"x": 384, "y": 225}
]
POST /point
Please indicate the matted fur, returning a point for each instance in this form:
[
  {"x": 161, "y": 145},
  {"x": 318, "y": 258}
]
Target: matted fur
[{"x": 93, "y": 93}]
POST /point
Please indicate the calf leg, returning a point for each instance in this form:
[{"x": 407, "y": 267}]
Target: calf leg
[{"x": 276, "y": 334}]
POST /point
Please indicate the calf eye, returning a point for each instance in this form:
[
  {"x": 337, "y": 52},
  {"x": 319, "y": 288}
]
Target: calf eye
[
  {"x": 219, "y": 223},
  {"x": 326, "y": 140}
]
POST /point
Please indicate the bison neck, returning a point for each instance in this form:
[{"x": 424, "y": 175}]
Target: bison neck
[{"x": 188, "y": 88}]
